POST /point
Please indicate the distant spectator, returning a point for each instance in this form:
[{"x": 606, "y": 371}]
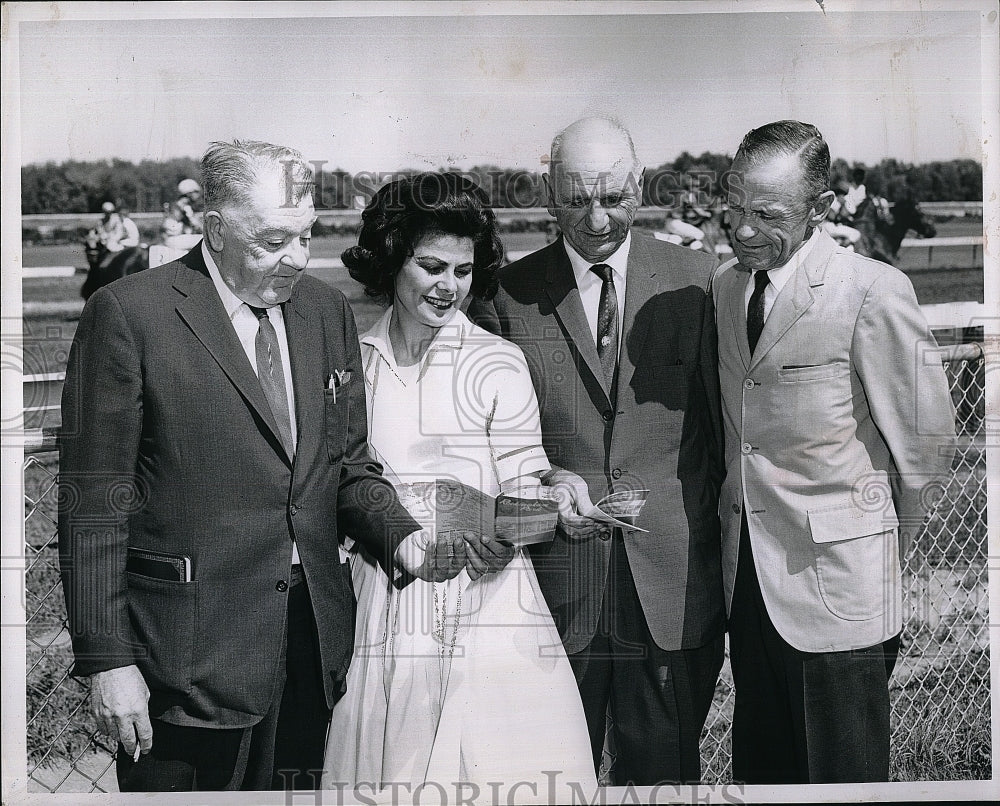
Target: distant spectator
[
  {"x": 110, "y": 230},
  {"x": 130, "y": 232},
  {"x": 181, "y": 220},
  {"x": 838, "y": 222},
  {"x": 856, "y": 193},
  {"x": 693, "y": 209}
]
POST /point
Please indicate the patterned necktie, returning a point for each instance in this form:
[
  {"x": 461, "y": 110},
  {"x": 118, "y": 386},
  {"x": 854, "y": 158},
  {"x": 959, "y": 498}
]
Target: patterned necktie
[
  {"x": 272, "y": 376},
  {"x": 607, "y": 322},
  {"x": 755, "y": 311}
]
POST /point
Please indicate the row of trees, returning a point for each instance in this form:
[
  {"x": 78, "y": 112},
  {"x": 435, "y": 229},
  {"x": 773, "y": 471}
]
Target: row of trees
[{"x": 81, "y": 187}]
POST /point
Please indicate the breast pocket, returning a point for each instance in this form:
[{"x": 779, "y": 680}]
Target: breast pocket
[
  {"x": 791, "y": 373},
  {"x": 337, "y": 413}
]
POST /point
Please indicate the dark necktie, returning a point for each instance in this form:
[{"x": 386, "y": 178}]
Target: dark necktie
[
  {"x": 607, "y": 322},
  {"x": 272, "y": 376},
  {"x": 755, "y": 311}
]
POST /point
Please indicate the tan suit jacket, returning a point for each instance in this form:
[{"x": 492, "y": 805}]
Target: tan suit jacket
[{"x": 835, "y": 431}]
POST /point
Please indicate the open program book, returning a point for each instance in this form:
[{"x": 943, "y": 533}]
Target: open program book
[
  {"x": 522, "y": 517},
  {"x": 527, "y": 515}
]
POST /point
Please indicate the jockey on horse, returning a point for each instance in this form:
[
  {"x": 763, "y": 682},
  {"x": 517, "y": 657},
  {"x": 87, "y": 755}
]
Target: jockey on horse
[
  {"x": 181, "y": 221},
  {"x": 839, "y": 221},
  {"x": 113, "y": 249},
  {"x": 883, "y": 226}
]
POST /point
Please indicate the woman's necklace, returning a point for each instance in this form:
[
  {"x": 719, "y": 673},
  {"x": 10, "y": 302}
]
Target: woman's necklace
[{"x": 446, "y": 643}]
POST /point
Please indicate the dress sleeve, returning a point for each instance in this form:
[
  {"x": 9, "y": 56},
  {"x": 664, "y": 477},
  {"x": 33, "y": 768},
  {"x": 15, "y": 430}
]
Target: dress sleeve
[{"x": 512, "y": 425}]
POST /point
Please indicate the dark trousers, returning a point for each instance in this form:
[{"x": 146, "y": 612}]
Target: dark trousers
[
  {"x": 803, "y": 717},
  {"x": 658, "y": 699},
  {"x": 282, "y": 751}
]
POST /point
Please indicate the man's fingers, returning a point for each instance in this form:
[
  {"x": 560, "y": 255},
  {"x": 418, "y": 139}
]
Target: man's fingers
[
  {"x": 564, "y": 499},
  {"x": 582, "y": 528},
  {"x": 437, "y": 559},
  {"x": 579, "y": 523},
  {"x": 126, "y": 734},
  {"x": 144, "y": 728},
  {"x": 106, "y": 726},
  {"x": 583, "y": 502},
  {"x": 448, "y": 557},
  {"x": 103, "y": 718}
]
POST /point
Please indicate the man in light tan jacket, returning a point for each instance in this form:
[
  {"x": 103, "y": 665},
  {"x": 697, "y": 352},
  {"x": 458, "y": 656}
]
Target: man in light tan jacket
[{"x": 838, "y": 428}]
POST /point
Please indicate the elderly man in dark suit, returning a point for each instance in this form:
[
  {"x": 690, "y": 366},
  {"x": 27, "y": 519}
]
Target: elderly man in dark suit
[
  {"x": 619, "y": 334},
  {"x": 212, "y": 460}
]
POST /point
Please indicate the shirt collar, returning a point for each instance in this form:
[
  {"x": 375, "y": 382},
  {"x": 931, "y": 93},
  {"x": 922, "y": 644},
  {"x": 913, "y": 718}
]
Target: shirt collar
[
  {"x": 451, "y": 335},
  {"x": 230, "y": 301},
  {"x": 618, "y": 261},
  {"x": 780, "y": 275}
]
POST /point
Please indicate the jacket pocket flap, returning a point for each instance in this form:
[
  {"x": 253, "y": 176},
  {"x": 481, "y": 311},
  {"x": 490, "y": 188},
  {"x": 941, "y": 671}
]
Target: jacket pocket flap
[
  {"x": 848, "y": 522},
  {"x": 791, "y": 373}
]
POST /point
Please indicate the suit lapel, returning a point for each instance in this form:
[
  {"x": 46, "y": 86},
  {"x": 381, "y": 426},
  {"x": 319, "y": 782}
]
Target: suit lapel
[
  {"x": 565, "y": 298},
  {"x": 738, "y": 311},
  {"x": 795, "y": 298},
  {"x": 640, "y": 286},
  {"x": 305, "y": 348},
  {"x": 202, "y": 310}
]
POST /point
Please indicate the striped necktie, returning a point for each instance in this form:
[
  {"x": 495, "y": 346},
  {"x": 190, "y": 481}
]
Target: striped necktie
[
  {"x": 271, "y": 374},
  {"x": 607, "y": 322}
]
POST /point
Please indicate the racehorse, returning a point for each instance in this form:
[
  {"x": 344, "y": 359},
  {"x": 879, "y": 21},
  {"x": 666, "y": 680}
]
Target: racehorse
[
  {"x": 882, "y": 230},
  {"x": 106, "y": 267}
]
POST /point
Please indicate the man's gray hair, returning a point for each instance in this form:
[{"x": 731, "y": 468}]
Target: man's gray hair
[
  {"x": 230, "y": 170},
  {"x": 791, "y": 138},
  {"x": 555, "y": 152}
]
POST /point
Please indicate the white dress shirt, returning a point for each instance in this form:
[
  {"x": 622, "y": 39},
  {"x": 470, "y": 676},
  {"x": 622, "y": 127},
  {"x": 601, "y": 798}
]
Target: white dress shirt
[
  {"x": 776, "y": 278},
  {"x": 244, "y": 322},
  {"x": 590, "y": 284}
]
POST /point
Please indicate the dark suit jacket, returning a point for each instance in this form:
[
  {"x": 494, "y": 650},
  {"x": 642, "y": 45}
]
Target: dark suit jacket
[
  {"x": 168, "y": 444},
  {"x": 663, "y": 435}
]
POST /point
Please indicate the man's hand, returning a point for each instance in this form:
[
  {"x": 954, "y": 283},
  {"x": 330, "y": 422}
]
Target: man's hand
[
  {"x": 432, "y": 561},
  {"x": 119, "y": 700},
  {"x": 573, "y": 498},
  {"x": 486, "y": 554}
]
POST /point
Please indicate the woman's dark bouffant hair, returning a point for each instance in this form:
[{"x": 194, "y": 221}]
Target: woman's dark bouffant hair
[{"x": 404, "y": 211}]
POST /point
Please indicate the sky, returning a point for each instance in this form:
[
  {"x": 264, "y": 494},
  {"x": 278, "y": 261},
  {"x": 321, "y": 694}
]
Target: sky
[{"x": 464, "y": 86}]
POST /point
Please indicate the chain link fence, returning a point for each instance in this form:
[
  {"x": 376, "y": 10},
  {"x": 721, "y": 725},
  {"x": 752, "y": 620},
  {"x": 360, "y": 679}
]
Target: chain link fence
[{"x": 939, "y": 691}]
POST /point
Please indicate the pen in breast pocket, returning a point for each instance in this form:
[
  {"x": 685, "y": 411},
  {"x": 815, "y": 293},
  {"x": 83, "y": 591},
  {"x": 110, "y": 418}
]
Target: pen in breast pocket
[{"x": 331, "y": 385}]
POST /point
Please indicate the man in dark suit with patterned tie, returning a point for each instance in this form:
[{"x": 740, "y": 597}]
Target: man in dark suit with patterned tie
[
  {"x": 619, "y": 333},
  {"x": 213, "y": 457}
]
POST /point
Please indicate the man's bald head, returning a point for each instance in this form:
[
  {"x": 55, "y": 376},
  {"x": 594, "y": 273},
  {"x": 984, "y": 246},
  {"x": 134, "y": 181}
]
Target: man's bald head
[
  {"x": 594, "y": 185},
  {"x": 596, "y": 138}
]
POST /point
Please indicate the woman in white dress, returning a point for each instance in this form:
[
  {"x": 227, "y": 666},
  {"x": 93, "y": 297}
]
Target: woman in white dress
[{"x": 463, "y": 682}]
